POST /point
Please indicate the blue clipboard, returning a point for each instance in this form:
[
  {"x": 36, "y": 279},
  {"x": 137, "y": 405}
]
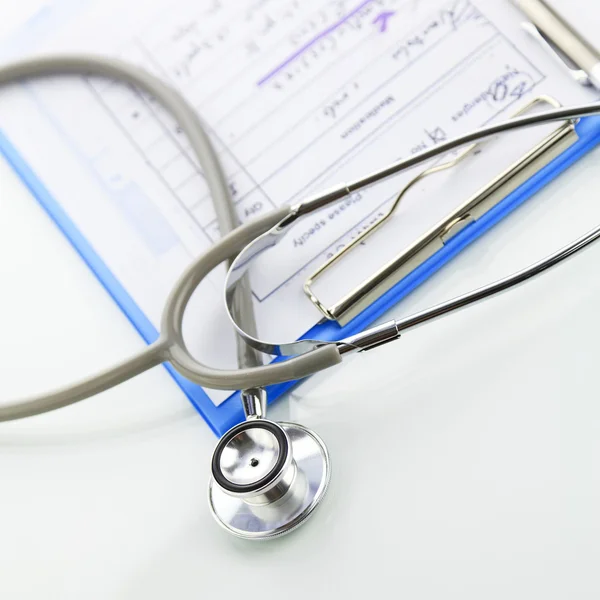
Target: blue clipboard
[{"x": 223, "y": 417}]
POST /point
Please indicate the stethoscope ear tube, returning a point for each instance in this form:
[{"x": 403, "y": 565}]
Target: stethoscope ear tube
[{"x": 382, "y": 334}]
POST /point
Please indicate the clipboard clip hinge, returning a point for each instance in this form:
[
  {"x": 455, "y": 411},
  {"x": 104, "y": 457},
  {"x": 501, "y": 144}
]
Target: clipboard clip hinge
[{"x": 576, "y": 72}]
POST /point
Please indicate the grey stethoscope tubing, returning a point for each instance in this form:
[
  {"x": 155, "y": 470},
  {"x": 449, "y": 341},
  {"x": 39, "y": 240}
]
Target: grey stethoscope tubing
[
  {"x": 267, "y": 477},
  {"x": 246, "y": 242}
]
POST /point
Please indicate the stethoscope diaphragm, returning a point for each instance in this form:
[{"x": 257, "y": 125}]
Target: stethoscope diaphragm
[{"x": 267, "y": 478}]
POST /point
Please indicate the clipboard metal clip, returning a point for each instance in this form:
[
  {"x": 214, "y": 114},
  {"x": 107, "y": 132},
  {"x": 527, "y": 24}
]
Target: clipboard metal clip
[
  {"x": 372, "y": 288},
  {"x": 562, "y": 41}
]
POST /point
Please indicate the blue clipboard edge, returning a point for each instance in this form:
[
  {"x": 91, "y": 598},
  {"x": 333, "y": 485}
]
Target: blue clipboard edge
[{"x": 230, "y": 412}]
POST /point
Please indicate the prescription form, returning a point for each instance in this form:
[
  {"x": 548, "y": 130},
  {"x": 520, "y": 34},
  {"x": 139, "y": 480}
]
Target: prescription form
[{"x": 298, "y": 95}]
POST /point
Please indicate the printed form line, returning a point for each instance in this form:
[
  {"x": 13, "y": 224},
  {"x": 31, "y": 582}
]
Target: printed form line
[{"x": 304, "y": 116}]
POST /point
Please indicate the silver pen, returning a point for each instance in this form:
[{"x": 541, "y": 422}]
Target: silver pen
[{"x": 575, "y": 52}]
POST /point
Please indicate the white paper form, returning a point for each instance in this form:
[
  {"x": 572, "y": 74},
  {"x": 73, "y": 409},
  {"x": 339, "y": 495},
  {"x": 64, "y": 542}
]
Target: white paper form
[{"x": 297, "y": 96}]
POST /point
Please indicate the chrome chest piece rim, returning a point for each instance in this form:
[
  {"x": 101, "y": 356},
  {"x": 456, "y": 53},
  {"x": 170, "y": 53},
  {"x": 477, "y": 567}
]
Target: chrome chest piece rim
[{"x": 267, "y": 478}]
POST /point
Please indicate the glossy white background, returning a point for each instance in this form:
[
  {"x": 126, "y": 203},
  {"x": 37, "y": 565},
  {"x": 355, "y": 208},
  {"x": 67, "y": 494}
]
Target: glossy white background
[{"x": 465, "y": 455}]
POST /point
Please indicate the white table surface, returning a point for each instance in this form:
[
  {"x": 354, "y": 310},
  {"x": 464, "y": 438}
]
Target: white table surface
[{"x": 465, "y": 455}]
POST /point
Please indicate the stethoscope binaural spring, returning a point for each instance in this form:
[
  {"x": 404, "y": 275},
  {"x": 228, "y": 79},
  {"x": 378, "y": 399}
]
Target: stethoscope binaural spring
[{"x": 267, "y": 477}]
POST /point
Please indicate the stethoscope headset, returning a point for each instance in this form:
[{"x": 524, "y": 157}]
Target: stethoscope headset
[{"x": 266, "y": 477}]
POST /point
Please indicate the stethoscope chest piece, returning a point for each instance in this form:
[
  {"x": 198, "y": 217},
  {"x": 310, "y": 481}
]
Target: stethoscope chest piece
[{"x": 267, "y": 478}]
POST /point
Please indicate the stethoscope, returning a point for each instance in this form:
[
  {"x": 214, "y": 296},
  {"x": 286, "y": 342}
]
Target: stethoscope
[{"x": 267, "y": 478}]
